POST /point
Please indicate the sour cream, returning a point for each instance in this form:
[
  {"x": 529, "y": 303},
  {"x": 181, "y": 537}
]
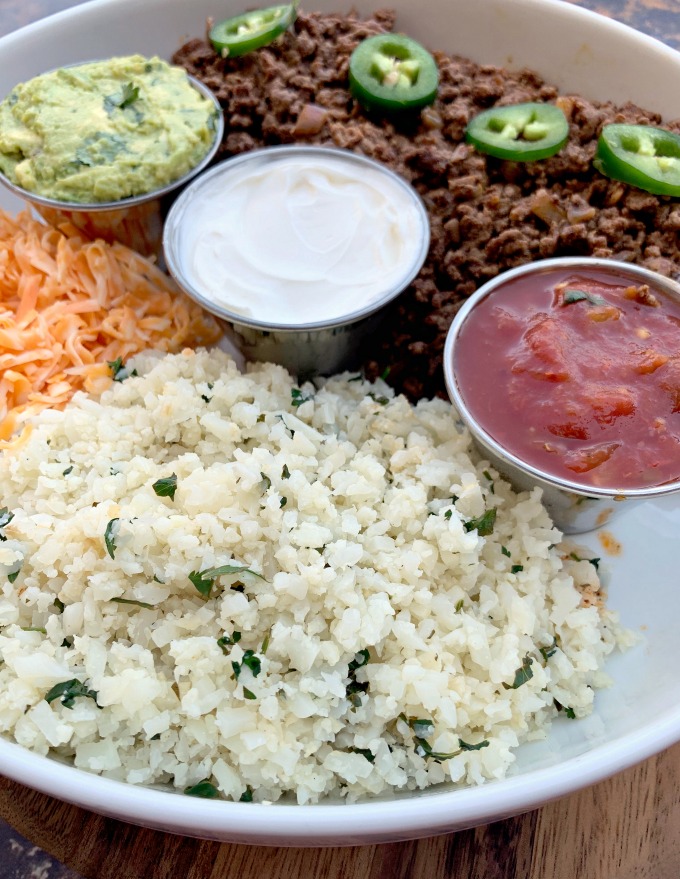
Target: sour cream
[{"x": 299, "y": 236}]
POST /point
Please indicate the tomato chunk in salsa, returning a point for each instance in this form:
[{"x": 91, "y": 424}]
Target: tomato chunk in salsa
[{"x": 577, "y": 373}]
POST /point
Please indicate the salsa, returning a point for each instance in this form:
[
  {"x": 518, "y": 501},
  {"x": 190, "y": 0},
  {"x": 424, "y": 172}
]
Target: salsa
[{"x": 577, "y": 373}]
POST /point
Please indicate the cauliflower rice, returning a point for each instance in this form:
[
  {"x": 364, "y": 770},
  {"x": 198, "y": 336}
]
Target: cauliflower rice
[{"x": 370, "y": 638}]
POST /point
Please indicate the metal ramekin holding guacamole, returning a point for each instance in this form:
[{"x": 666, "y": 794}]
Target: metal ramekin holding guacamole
[{"x": 104, "y": 131}]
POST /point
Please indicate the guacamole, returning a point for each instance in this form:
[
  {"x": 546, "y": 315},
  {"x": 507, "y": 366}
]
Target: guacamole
[{"x": 105, "y": 130}]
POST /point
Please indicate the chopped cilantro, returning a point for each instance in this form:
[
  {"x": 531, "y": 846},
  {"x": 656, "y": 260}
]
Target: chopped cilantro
[
  {"x": 448, "y": 514},
  {"x": 12, "y": 577},
  {"x": 360, "y": 659},
  {"x": 506, "y": 551},
  {"x": 166, "y": 487},
  {"x": 5, "y": 518},
  {"x": 59, "y": 604},
  {"x": 378, "y": 398},
  {"x": 515, "y": 569},
  {"x": 571, "y": 296},
  {"x": 297, "y": 398},
  {"x": 460, "y": 604},
  {"x": 205, "y": 789},
  {"x": 577, "y": 558},
  {"x": 265, "y": 645},
  {"x": 569, "y": 712},
  {"x": 424, "y": 749},
  {"x": 119, "y": 372},
  {"x": 364, "y": 753},
  {"x": 252, "y": 661},
  {"x": 266, "y": 481},
  {"x": 247, "y": 795},
  {"x": 227, "y": 641},
  {"x": 110, "y": 536},
  {"x": 465, "y": 746},
  {"x": 356, "y": 689},
  {"x": 204, "y": 580},
  {"x": 133, "y": 601},
  {"x": 69, "y": 691},
  {"x": 248, "y": 694},
  {"x": 122, "y": 99},
  {"x": 385, "y": 373},
  {"x": 484, "y": 523},
  {"x": 523, "y": 673},
  {"x": 284, "y": 501},
  {"x": 285, "y": 473},
  {"x": 67, "y": 471},
  {"x": 547, "y": 652}
]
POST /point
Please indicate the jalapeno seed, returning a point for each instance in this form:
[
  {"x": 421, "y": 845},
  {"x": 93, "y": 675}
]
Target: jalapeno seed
[
  {"x": 642, "y": 155},
  {"x": 519, "y": 132},
  {"x": 393, "y": 72}
]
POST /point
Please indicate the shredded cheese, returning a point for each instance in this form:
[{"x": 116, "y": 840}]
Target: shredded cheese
[{"x": 69, "y": 306}]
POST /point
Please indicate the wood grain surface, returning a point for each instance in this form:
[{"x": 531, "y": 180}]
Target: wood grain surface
[{"x": 625, "y": 828}]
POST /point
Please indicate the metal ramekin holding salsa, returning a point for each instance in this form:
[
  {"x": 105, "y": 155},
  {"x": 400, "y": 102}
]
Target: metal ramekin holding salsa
[{"x": 568, "y": 371}]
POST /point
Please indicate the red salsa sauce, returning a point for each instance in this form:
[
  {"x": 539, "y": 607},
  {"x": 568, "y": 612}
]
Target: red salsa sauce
[{"x": 577, "y": 373}]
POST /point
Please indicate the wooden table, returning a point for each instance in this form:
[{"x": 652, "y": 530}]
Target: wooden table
[{"x": 625, "y": 828}]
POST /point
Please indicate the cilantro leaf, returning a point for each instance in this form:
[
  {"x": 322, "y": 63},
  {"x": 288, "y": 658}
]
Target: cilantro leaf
[
  {"x": 547, "y": 652},
  {"x": 119, "y": 372},
  {"x": 484, "y": 523},
  {"x": 227, "y": 641},
  {"x": 166, "y": 487},
  {"x": 465, "y": 746},
  {"x": 252, "y": 662},
  {"x": 133, "y": 601},
  {"x": 110, "y": 536},
  {"x": 204, "y": 580},
  {"x": 5, "y": 518},
  {"x": 297, "y": 398},
  {"x": 122, "y": 99},
  {"x": 69, "y": 691},
  {"x": 205, "y": 789},
  {"x": 364, "y": 753},
  {"x": 523, "y": 673},
  {"x": 571, "y": 296}
]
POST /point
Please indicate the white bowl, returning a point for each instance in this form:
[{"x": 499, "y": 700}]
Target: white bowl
[{"x": 640, "y": 715}]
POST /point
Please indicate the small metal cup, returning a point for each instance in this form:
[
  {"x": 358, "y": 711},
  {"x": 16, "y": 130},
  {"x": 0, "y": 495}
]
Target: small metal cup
[
  {"x": 137, "y": 221},
  {"x": 574, "y": 507},
  {"x": 308, "y": 348}
]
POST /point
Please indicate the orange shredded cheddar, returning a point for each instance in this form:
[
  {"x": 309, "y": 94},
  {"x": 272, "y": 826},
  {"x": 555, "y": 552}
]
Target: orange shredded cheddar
[{"x": 69, "y": 306}]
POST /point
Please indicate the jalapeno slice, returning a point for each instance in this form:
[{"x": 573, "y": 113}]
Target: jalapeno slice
[
  {"x": 393, "y": 72},
  {"x": 642, "y": 155},
  {"x": 251, "y": 30},
  {"x": 519, "y": 132}
]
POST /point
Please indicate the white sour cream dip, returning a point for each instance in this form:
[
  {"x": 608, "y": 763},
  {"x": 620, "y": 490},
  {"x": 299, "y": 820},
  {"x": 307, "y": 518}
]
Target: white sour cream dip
[{"x": 296, "y": 239}]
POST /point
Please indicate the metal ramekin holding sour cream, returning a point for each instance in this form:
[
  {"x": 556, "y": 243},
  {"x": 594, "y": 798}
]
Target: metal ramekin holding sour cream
[{"x": 297, "y": 249}]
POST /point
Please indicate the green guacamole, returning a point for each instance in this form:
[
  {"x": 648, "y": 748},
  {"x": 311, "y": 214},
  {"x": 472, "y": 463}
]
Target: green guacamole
[{"x": 104, "y": 131}]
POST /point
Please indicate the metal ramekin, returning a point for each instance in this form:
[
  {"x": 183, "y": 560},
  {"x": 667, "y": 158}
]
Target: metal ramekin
[
  {"x": 306, "y": 349},
  {"x": 574, "y": 507},
  {"x": 137, "y": 221}
]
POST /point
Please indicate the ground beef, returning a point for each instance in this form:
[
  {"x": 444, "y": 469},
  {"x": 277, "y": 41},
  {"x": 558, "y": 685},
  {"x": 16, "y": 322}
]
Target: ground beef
[{"x": 486, "y": 215}]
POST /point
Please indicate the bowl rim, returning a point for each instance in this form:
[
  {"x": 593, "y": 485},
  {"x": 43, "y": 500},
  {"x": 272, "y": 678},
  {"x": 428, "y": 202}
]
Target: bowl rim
[
  {"x": 481, "y": 434},
  {"x": 268, "y": 155},
  {"x": 439, "y": 810},
  {"x": 131, "y": 200}
]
